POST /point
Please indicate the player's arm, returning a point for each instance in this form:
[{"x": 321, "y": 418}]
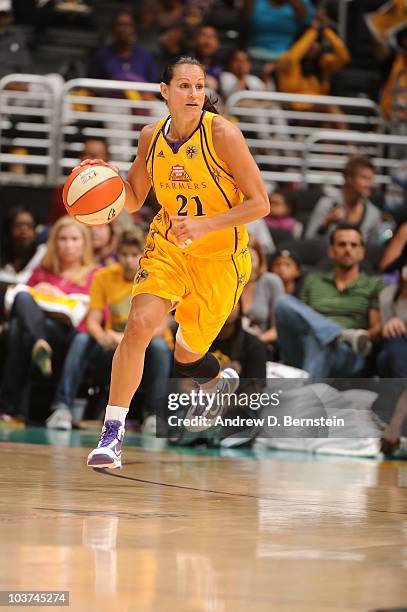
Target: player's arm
[
  {"x": 231, "y": 147},
  {"x": 138, "y": 182}
]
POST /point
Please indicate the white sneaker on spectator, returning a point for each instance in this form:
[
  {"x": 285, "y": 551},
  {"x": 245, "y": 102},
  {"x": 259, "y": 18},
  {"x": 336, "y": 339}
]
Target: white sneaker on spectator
[
  {"x": 358, "y": 340},
  {"x": 149, "y": 426},
  {"x": 61, "y": 418}
]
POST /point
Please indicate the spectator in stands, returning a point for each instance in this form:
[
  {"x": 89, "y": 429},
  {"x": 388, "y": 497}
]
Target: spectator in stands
[
  {"x": 392, "y": 360},
  {"x": 123, "y": 60},
  {"x": 205, "y": 48},
  {"x": 394, "y": 249},
  {"x": 351, "y": 205},
  {"x": 260, "y": 232},
  {"x": 14, "y": 54},
  {"x": 170, "y": 13},
  {"x": 281, "y": 215},
  {"x": 288, "y": 268},
  {"x": 274, "y": 24},
  {"x": 393, "y": 101},
  {"x": 238, "y": 77},
  {"x": 330, "y": 331},
  {"x": 20, "y": 250},
  {"x": 104, "y": 241},
  {"x": 172, "y": 44},
  {"x": 307, "y": 67},
  {"x": 259, "y": 296},
  {"x": 35, "y": 336}
]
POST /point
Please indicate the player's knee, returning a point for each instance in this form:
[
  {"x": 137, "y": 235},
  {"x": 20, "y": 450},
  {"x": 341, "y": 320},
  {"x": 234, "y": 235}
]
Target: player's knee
[{"x": 140, "y": 326}]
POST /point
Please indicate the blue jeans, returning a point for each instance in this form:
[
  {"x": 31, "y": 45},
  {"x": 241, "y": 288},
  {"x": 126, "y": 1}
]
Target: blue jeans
[
  {"x": 307, "y": 340},
  {"x": 392, "y": 359},
  {"x": 28, "y": 323},
  {"x": 84, "y": 352},
  {"x": 72, "y": 372}
]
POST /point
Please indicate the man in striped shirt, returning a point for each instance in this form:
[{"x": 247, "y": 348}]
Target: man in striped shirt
[{"x": 330, "y": 330}]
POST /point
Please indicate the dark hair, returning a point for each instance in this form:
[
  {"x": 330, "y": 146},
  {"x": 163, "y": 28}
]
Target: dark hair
[
  {"x": 356, "y": 163},
  {"x": 7, "y": 245},
  {"x": 346, "y": 226},
  {"x": 288, "y": 196},
  {"x": 133, "y": 236},
  {"x": 288, "y": 254},
  {"x": 121, "y": 12},
  {"x": 168, "y": 75}
]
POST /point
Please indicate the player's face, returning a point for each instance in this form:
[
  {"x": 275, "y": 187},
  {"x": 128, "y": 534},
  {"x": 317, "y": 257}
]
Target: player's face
[
  {"x": 70, "y": 245},
  {"x": 186, "y": 92},
  {"x": 129, "y": 258}
]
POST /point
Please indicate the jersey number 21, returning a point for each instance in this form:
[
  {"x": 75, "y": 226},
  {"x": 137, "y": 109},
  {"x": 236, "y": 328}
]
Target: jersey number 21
[{"x": 183, "y": 209}]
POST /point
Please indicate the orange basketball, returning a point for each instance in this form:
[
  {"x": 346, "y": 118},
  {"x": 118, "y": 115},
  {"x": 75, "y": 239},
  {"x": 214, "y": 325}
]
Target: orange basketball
[{"x": 94, "y": 194}]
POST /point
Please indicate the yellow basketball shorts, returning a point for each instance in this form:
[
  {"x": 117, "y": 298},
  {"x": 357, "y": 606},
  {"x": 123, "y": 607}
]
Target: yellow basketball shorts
[{"x": 205, "y": 290}]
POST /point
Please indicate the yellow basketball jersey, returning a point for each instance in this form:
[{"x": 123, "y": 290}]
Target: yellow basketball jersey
[{"x": 189, "y": 179}]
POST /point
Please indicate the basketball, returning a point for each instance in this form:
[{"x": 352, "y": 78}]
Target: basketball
[{"x": 94, "y": 194}]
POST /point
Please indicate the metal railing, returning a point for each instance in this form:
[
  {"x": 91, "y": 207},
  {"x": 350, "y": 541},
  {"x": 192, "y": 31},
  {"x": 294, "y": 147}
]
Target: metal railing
[
  {"x": 114, "y": 110},
  {"x": 276, "y": 125},
  {"x": 384, "y": 150},
  {"x": 29, "y": 122},
  {"x": 44, "y": 124}
]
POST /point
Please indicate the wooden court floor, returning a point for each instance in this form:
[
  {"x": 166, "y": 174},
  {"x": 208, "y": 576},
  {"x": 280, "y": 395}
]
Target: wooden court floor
[{"x": 175, "y": 532}]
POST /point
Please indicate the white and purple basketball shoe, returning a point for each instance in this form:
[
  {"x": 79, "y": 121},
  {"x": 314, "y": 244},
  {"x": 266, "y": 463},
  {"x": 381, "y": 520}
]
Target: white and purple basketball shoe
[
  {"x": 209, "y": 406},
  {"x": 108, "y": 453}
]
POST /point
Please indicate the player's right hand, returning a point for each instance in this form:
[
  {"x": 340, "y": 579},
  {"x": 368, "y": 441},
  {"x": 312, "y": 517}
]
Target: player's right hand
[{"x": 96, "y": 162}]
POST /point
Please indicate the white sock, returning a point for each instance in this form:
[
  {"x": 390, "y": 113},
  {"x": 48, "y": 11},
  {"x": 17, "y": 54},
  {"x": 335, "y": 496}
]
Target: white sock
[{"x": 116, "y": 413}]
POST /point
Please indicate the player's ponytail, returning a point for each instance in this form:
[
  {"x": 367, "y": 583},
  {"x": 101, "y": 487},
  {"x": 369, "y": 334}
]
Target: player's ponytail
[
  {"x": 168, "y": 74},
  {"x": 210, "y": 106}
]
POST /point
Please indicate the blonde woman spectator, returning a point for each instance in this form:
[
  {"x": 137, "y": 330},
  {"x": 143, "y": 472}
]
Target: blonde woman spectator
[{"x": 35, "y": 336}]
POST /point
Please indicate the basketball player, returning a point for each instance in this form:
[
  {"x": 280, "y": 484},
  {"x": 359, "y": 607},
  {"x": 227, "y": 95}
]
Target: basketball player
[{"x": 196, "y": 258}]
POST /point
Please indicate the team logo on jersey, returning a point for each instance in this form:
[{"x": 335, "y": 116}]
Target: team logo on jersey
[
  {"x": 161, "y": 154},
  {"x": 191, "y": 151},
  {"x": 141, "y": 276},
  {"x": 178, "y": 173}
]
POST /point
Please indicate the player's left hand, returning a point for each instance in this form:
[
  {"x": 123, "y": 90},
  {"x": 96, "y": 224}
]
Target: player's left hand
[{"x": 186, "y": 229}]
